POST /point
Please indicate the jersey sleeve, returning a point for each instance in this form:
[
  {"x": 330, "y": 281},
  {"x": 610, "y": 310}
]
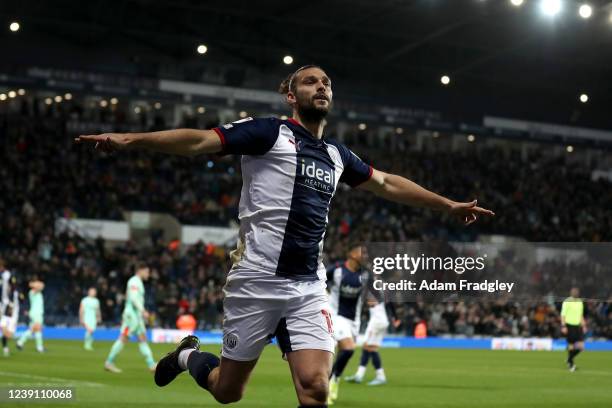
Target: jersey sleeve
[
  {"x": 356, "y": 171},
  {"x": 330, "y": 271},
  {"x": 248, "y": 136},
  {"x": 390, "y": 309}
]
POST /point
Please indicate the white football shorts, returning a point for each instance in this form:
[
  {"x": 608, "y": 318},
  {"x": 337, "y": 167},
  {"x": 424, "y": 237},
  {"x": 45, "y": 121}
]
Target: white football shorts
[
  {"x": 375, "y": 332},
  {"x": 257, "y": 309},
  {"x": 345, "y": 328},
  {"x": 9, "y": 323}
]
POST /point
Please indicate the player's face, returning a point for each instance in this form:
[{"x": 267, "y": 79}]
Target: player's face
[
  {"x": 574, "y": 292},
  {"x": 313, "y": 95},
  {"x": 144, "y": 273},
  {"x": 356, "y": 255},
  {"x": 92, "y": 292}
]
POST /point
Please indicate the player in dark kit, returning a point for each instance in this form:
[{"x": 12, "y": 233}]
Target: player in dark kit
[
  {"x": 346, "y": 283},
  {"x": 276, "y": 285}
]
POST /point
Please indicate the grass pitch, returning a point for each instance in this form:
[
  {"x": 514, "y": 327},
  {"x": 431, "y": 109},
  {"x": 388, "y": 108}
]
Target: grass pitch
[{"x": 417, "y": 378}]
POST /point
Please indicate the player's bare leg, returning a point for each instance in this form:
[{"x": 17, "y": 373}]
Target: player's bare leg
[
  {"x": 228, "y": 381},
  {"x": 225, "y": 379},
  {"x": 310, "y": 370},
  {"x": 6, "y": 336}
]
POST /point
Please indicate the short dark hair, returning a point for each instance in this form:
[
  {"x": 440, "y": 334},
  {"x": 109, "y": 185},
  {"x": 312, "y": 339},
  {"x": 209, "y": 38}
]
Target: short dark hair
[
  {"x": 353, "y": 244},
  {"x": 141, "y": 265},
  {"x": 289, "y": 84}
]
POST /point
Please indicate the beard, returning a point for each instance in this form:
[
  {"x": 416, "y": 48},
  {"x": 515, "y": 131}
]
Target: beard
[{"x": 310, "y": 112}]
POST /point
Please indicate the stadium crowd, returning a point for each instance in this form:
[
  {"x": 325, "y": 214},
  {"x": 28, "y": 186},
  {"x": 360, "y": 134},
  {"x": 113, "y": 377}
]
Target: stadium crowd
[{"x": 45, "y": 176}]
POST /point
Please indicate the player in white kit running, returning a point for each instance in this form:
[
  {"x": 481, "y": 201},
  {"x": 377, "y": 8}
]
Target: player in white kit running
[
  {"x": 374, "y": 334},
  {"x": 276, "y": 286}
]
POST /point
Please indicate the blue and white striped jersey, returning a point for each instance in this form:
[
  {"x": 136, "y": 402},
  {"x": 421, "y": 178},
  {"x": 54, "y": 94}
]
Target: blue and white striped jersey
[
  {"x": 7, "y": 282},
  {"x": 346, "y": 290},
  {"x": 9, "y": 302},
  {"x": 289, "y": 178}
]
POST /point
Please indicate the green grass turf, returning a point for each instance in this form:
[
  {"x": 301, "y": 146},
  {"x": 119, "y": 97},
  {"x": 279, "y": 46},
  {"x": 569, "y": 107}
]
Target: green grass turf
[{"x": 417, "y": 378}]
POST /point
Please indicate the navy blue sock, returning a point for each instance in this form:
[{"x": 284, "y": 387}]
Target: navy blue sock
[
  {"x": 200, "y": 364},
  {"x": 4, "y": 341},
  {"x": 341, "y": 361},
  {"x": 365, "y": 357},
  {"x": 376, "y": 360}
]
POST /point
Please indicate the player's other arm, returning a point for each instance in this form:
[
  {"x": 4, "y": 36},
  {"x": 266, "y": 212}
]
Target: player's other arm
[
  {"x": 134, "y": 298},
  {"x": 563, "y": 324},
  {"x": 81, "y": 311},
  {"x": 392, "y": 313},
  {"x": 399, "y": 189},
  {"x": 182, "y": 142},
  {"x": 329, "y": 272},
  {"x": 136, "y": 301}
]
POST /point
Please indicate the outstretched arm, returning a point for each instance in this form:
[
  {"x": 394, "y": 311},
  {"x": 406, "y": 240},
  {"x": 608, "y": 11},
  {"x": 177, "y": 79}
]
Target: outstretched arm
[
  {"x": 401, "y": 190},
  {"x": 182, "y": 142}
]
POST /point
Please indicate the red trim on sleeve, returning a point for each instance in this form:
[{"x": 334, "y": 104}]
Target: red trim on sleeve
[
  {"x": 370, "y": 173},
  {"x": 220, "y": 133}
]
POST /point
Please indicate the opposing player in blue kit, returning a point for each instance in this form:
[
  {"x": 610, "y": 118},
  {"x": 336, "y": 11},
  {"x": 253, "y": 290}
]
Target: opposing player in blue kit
[{"x": 276, "y": 286}]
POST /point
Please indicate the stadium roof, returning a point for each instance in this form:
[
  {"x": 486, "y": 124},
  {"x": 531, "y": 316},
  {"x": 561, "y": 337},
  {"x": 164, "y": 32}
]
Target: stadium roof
[{"x": 501, "y": 59}]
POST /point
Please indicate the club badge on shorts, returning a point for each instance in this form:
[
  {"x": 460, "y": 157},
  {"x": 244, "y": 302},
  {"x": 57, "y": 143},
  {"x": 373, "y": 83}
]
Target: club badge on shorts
[{"x": 230, "y": 341}]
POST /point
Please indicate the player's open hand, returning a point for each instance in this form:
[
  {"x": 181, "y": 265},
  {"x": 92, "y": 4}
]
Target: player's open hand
[
  {"x": 106, "y": 142},
  {"x": 469, "y": 212}
]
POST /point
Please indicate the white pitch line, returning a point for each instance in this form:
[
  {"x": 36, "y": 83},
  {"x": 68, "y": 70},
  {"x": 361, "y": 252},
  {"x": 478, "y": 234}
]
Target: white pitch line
[{"x": 54, "y": 379}]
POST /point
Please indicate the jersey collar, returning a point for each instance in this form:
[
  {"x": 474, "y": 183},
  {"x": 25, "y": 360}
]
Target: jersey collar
[{"x": 305, "y": 131}]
